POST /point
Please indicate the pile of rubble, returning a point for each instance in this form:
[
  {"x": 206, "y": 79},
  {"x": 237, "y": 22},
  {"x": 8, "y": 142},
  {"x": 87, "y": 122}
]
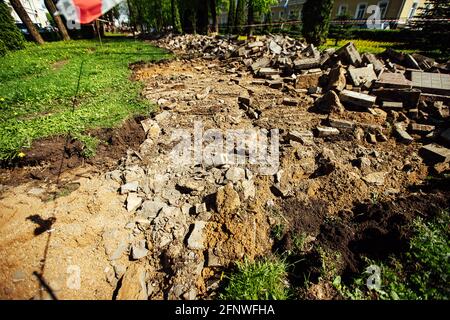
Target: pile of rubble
[
  {"x": 411, "y": 91},
  {"x": 350, "y": 126}
]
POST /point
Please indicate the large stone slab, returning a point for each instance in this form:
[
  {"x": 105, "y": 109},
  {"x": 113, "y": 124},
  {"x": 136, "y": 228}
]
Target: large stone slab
[
  {"x": 435, "y": 83},
  {"x": 357, "y": 99}
]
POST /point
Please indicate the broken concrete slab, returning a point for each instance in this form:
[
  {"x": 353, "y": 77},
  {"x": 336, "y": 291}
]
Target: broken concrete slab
[
  {"x": 369, "y": 58},
  {"x": 306, "y": 63},
  {"x": 409, "y": 97},
  {"x": 349, "y": 54},
  {"x": 434, "y": 83},
  {"x": 340, "y": 124},
  {"x": 421, "y": 128},
  {"x": 391, "y": 105},
  {"x": 357, "y": 99},
  {"x": 268, "y": 72},
  {"x": 304, "y": 137},
  {"x": 392, "y": 80},
  {"x": 326, "y": 131},
  {"x": 433, "y": 153},
  {"x": 364, "y": 75},
  {"x": 402, "y": 134}
]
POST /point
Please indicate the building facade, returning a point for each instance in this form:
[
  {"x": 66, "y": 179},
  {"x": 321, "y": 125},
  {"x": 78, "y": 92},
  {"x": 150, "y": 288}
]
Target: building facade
[
  {"x": 36, "y": 11},
  {"x": 401, "y": 10}
]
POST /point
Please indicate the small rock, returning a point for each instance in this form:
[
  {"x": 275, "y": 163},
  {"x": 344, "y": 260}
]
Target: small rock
[
  {"x": 235, "y": 174},
  {"x": 129, "y": 187},
  {"x": 138, "y": 251},
  {"x": 133, "y": 202},
  {"x": 196, "y": 239},
  {"x": 375, "y": 178},
  {"x": 249, "y": 189},
  {"x": 327, "y": 131}
]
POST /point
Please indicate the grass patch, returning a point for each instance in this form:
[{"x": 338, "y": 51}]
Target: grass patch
[
  {"x": 38, "y": 86},
  {"x": 259, "y": 280},
  {"x": 422, "y": 273},
  {"x": 369, "y": 46}
]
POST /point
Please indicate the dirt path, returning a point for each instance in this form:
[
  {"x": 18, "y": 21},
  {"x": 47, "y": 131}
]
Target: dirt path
[{"x": 175, "y": 228}]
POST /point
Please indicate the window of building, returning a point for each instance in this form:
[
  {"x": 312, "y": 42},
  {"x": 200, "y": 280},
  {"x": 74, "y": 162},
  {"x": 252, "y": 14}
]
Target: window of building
[
  {"x": 343, "y": 8},
  {"x": 413, "y": 10},
  {"x": 383, "y": 5},
  {"x": 360, "y": 11},
  {"x": 281, "y": 14}
]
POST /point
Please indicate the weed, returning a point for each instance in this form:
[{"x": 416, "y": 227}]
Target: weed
[
  {"x": 259, "y": 280},
  {"x": 420, "y": 274},
  {"x": 277, "y": 231}
]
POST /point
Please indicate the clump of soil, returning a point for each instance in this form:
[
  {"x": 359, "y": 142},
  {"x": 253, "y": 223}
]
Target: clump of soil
[
  {"x": 371, "y": 230},
  {"x": 48, "y": 158}
]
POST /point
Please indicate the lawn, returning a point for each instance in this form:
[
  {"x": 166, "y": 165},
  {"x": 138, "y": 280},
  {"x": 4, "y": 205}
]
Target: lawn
[
  {"x": 374, "y": 47},
  {"x": 39, "y": 85}
]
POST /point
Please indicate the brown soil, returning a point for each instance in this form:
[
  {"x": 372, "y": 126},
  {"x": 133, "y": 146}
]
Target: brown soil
[{"x": 48, "y": 158}]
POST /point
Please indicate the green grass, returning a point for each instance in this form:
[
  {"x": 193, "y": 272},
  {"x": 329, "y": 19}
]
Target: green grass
[
  {"x": 259, "y": 280},
  {"x": 422, "y": 273},
  {"x": 369, "y": 46},
  {"x": 38, "y": 85}
]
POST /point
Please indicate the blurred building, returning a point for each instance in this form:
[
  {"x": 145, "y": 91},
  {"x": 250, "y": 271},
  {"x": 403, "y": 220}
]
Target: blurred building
[{"x": 36, "y": 11}]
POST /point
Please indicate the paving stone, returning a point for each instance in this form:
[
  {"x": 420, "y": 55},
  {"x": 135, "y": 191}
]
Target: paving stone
[
  {"x": 434, "y": 153},
  {"x": 358, "y": 99}
]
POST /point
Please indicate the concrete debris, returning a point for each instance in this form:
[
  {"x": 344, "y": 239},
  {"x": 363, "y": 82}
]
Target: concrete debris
[
  {"x": 138, "y": 250},
  {"x": 196, "y": 238},
  {"x": 433, "y": 153},
  {"x": 357, "y": 99},
  {"x": 330, "y": 103},
  {"x": 133, "y": 202},
  {"x": 227, "y": 199}
]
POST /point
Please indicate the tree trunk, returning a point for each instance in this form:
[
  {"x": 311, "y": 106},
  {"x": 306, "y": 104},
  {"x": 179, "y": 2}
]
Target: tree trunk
[
  {"x": 23, "y": 15},
  {"x": 215, "y": 21},
  {"x": 231, "y": 16},
  {"x": 202, "y": 16},
  {"x": 172, "y": 9},
  {"x": 59, "y": 23},
  {"x": 240, "y": 16},
  {"x": 250, "y": 17}
]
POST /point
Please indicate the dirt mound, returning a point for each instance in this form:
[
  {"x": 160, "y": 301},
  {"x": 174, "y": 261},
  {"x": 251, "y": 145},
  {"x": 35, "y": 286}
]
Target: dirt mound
[{"x": 48, "y": 158}]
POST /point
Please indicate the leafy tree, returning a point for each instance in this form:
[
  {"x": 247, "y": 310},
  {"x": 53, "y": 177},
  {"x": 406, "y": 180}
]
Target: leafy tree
[
  {"x": 10, "y": 36},
  {"x": 316, "y": 20},
  {"x": 436, "y": 33},
  {"x": 240, "y": 16},
  {"x": 231, "y": 16},
  {"x": 340, "y": 30}
]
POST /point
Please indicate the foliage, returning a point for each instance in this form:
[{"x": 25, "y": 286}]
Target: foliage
[
  {"x": 316, "y": 20},
  {"x": 240, "y": 16},
  {"x": 434, "y": 33},
  {"x": 420, "y": 274},
  {"x": 259, "y": 280},
  {"x": 231, "y": 16},
  {"x": 339, "y": 31},
  {"x": 39, "y": 83},
  {"x": 10, "y": 36}
]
